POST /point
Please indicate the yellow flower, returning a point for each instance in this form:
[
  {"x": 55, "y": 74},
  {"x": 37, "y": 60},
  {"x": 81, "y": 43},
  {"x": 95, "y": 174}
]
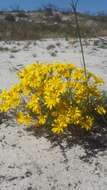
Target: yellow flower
[
  {"x": 78, "y": 74},
  {"x": 24, "y": 119},
  {"x": 42, "y": 119},
  {"x": 33, "y": 104},
  {"x": 100, "y": 110},
  {"x": 57, "y": 130},
  {"x": 87, "y": 122},
  {"x": 9, "y": 99}
]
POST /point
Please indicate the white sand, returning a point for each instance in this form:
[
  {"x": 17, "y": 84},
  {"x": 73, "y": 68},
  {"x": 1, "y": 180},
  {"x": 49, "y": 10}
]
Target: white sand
[{"x": 31, "y": 163}]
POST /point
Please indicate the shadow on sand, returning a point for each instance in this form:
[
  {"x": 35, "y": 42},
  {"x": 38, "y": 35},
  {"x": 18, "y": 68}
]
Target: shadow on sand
[{"x": 92, "y": 142}]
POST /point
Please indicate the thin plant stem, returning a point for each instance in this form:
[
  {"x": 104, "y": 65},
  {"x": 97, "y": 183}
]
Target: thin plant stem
[{"x": 74, "y": 7}]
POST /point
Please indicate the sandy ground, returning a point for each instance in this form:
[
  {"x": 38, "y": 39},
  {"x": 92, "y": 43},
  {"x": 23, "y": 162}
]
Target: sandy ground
[{"x": 30, "y": 161}]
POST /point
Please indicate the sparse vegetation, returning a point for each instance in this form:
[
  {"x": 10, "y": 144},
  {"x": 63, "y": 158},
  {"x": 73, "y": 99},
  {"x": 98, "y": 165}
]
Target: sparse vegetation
[
  {"x": 53, "y": 54},
  {"x": 14, "y": 50},
  {"x": 4, "y": 49},
  {"x": 49, "y": 22},
  {"x": 50, "y": 47}
]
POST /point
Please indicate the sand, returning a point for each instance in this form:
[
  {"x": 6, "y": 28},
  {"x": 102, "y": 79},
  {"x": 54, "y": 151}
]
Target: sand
[{"x": 30, "y": 161}]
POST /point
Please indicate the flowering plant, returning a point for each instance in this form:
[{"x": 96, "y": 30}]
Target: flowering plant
[{"x": 56, "y": 96}]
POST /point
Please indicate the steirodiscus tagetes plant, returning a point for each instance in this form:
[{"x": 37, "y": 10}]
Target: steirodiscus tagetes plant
[{"x": 56, "y": 96}]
